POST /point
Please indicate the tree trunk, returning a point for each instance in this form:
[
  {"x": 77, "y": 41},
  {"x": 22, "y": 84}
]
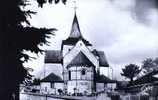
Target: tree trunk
[
  {"x": 10, "y": 95},
  {"x": 131, "y": 81},
  {"x": 17, "y": 92},
  {"x": 6, "y": 95},
  {"x": 9, "y": 88}
]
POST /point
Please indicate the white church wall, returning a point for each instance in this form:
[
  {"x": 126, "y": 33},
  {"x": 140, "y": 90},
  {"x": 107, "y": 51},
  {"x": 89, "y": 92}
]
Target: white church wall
[
  {"x": 85, "y": 86},
  {"x": 51, "y": 88},
  {"x": 58, "y": 86},
  {"x": 66, "y": 49},
  {"x": 78, "y": 75},
  {"x": 45, "y": 87},
  {"x": 88, "y": 68},
  {"x": 75, "y": 75},
  {"x": 65, "y": 75},
  {"x": 89, "y": 76},
  {"x": 82, "y": 86},
  {"x": 110, "y": 73},
  {"x": 100, "y": 87},
  {"x": 105, "y": 71}
]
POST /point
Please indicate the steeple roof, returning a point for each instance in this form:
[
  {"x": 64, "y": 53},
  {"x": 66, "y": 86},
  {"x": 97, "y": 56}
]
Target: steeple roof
[
  {"x": 75, "y": 34},
  {"x": 75, "y": 30}
]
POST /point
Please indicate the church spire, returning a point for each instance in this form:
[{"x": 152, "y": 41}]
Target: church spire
[
  {"x": 75, "y": 30},
  {"x": 75, "y": 34}
]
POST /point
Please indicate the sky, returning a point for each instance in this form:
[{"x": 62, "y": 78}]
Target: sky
[{"x": 126, "y": 30}]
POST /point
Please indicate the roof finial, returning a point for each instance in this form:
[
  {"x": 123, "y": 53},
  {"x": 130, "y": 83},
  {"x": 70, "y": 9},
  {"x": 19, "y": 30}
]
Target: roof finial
[{"x": 75, "y": 7}]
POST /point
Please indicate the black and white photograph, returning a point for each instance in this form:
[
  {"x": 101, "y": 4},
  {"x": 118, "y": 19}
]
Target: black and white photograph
[{"x": 79, "y": 50}]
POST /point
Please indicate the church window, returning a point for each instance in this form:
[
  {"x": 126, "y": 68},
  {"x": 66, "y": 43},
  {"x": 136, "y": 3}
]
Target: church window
[
  {"x": 83, "y": 72},
  {"x": 80, "y": 44},
  {"x": 69, "y": 75}
]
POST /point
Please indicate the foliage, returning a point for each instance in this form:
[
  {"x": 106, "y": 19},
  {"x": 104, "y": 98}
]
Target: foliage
[
  {"x": 130, "y": 71},
  {"x": 14, "y": 39},
  {"x": 36, "y": 81},
  {"x": 41, "y": 2},
  {"x": 150, "y": 64}
]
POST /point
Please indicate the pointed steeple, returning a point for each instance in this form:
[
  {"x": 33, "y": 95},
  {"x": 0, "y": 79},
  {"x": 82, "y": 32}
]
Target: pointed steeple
[
  {"x": 75, "y": 34},
  {"x": 75, "y": 30}
]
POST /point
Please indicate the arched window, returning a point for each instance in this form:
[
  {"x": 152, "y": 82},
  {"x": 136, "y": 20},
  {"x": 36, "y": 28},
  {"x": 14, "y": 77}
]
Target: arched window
[{"x": 83, "y": 72}]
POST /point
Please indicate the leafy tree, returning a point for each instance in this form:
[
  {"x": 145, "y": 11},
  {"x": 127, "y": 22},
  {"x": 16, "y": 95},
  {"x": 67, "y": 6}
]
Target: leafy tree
[
  {"x": 14, "y": 39},
  {"x": 156, "y": 61},
  {"x": 150, "y": 64},
  {"x": 130, "y": 71},
  {"x": 36, "y": 81}
]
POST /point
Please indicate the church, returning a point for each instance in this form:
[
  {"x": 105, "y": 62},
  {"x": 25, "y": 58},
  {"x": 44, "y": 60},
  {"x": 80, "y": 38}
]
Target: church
[{"x": 81, "y": 64}]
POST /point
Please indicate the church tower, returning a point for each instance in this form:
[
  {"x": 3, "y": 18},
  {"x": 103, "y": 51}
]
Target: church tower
[{"x": 74, "y": 37}]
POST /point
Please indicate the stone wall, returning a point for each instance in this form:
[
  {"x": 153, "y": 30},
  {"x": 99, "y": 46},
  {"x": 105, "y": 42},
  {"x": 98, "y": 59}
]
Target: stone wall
[{"x": 46, "y": 87}]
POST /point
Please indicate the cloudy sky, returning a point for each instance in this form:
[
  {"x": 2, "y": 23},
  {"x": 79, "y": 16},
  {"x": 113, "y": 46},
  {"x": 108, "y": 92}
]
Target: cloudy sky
[{"x": 126, "y": 30}]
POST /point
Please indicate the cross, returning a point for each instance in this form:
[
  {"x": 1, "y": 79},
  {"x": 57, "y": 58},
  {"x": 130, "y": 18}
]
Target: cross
[{"x": 75, "y": 7}]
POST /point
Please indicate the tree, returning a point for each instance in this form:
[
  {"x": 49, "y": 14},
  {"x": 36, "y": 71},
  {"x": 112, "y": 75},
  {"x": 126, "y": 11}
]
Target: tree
[
  {"x": 156, "y": 61},
  {"x": 130, "y": 71},
  {"x": 14, "y": 39},
  {"x": 150, "y": 64},
  {"x": 36, "y": 81}
]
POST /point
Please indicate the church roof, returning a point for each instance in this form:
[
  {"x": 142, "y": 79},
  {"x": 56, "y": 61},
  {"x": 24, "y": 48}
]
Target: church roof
[
  {"x": 75, "y": 34},
  {"x": 73, "y": 41},
  {"x": 75, "y": 30},
  {"x": 52, "y": 78},
  {"x": 104, "y": 79},
  {"x": 102, "y": 58},
  {"x": 80, "y": 59},
  {"x": 53, "y": 56},
  {"x": 147, "y": 78}
]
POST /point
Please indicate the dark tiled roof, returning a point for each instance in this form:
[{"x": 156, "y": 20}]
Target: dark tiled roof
[
  {"x": 80, "y": 59},
  {"x": 104, "y": 79},
  {"x": 145, "y": 79},
  {"x": 52, "y": 78},
  {"x": 102, "y": 58},
  {"x": 148, "y": 78},
  {"x": 73, "y": 41},
  {"x": 75, "y": 30},
  {"x": 53, "y": 56},
  {"x": 75, "y": 34}
]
